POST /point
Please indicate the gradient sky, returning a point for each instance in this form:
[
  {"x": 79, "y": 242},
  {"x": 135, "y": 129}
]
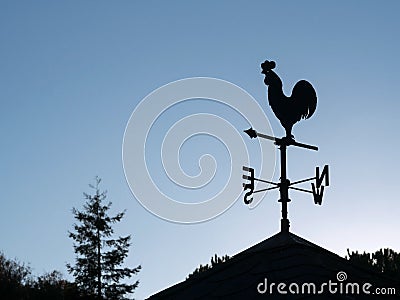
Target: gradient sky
[{"x": 72, "y": 72}]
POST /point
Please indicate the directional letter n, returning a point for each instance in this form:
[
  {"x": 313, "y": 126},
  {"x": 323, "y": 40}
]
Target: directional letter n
[{"x": 325, "y": 173}]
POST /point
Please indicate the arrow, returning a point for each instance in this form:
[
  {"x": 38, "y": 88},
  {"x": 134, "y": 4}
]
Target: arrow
[{"x": 279, "y": 141}]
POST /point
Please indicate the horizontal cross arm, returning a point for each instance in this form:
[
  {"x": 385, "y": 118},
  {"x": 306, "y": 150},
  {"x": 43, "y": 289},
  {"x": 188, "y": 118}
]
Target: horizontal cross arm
[
  {"x": 301, "y": 190},
  {"x": 261, "y": 180},
  {"x": 305, "y": 146},
  {"x": 301, "y": 181},
  {"x": 267, "y": 189}
]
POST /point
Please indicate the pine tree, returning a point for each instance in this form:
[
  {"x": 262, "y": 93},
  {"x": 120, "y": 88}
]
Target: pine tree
[
  {"x": 385, "y": 261},
  {"x": 98, "y": 272},
  {"x": 214, "y": 261}
]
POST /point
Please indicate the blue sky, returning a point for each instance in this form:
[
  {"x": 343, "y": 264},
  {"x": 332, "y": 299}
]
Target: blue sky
[{"x": 72, "y": 72}]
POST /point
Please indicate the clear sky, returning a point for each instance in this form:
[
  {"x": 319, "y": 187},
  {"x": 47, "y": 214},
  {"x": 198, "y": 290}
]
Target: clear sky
[{"x": 72, "y": 72}]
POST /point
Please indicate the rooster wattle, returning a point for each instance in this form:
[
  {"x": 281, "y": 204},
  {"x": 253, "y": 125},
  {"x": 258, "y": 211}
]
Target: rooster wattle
[{"x": 289, "y": 110}]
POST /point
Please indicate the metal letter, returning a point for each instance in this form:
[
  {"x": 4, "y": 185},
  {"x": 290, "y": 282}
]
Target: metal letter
[
  {"x": 248, "y": 186},
  {"x": 325, "y": 173},
  {"x": 317, "y": 194}
]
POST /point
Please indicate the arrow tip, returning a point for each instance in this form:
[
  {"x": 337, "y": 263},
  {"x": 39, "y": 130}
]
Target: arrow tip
[{"x": 251, "y": 132}]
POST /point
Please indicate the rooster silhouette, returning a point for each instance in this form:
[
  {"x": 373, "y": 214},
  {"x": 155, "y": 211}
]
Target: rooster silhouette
[{"x": 289, "y": 110}]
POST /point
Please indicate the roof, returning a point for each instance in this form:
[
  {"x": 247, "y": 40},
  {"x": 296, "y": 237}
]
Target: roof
[{"x": 283, "y": 258}]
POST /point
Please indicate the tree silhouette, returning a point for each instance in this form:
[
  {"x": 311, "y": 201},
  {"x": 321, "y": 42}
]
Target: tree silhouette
[
  {"x": 385, "y": 261},
  {"x": 14, "y": 278},
  {"x": 16, "y": 282},
  {"x": 52, "y": 286},
  {"x": 98, "y": 272},
  {"x": 215, "y": 260}
]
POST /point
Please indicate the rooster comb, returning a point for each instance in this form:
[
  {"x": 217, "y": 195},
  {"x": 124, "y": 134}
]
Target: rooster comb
[{"x": 268, "y": 65}]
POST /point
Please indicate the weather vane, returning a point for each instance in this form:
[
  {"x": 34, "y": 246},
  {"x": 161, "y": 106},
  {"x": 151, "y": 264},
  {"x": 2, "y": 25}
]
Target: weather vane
[{"x": 289, "y": 110}]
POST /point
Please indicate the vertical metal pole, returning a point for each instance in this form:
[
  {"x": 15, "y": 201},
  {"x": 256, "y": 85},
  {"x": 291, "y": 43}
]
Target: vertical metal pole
[{"x": 284, "y": 190}]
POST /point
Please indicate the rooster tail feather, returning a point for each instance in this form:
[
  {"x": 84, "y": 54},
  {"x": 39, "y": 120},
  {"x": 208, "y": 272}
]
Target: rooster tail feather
[{"x": 305, "y": 99}]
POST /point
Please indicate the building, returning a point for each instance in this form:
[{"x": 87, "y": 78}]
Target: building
[{"x": 284, "y": 266}]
